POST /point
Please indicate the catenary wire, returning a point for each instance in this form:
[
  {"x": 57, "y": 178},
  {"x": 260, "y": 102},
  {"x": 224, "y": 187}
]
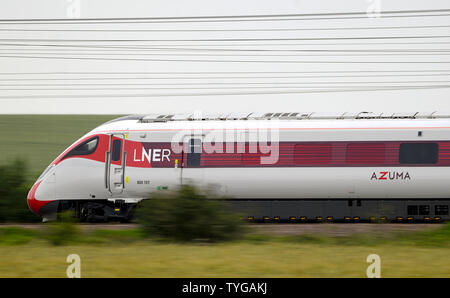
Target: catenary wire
[
  {"x": 237, "y": 18},
  {"x": 226, "y": 72},
  {"x": 224, "y": 61},
  {"x": 301, "y": 86},
  {"x": 391, "y": 88},
  {"x": 224, "y": 30}
]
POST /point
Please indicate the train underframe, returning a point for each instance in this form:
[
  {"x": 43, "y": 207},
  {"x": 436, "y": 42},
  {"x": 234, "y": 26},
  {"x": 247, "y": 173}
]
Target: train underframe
[
  {"x": 90, "y": 211},
  {"x": 343, "y": 210},
  {"x": 281, "y": 210}
]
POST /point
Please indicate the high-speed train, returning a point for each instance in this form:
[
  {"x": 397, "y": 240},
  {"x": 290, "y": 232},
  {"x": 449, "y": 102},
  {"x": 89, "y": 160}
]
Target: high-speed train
[{"x": 268, "y": 166}]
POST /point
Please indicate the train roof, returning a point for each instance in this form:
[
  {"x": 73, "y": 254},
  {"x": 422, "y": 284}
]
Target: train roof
[
  {"x": 161, "y": 118},
  {"x": 285, "y": 121}
]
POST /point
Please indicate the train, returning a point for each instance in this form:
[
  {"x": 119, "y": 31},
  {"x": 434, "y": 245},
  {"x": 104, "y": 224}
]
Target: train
[{"x": 293, "y": 166}]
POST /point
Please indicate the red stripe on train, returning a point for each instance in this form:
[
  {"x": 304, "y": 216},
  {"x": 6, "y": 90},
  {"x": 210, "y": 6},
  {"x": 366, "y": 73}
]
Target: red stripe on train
[{"x": 33, "y": 204}]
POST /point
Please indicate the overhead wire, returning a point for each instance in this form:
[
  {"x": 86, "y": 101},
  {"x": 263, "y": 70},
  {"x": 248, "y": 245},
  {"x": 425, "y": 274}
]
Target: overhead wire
[
  {"x": 186, "y": 78},
  {"x": 296, "y": 91},
  {"x": 236, "y": 18},
  {"x": 223, "y": 39},
  {"x": 89, "y": 50},
  {"x": 225, "y": 72},
  {"x": 223, "y": 61},
  {"x": 225, "y": 30}
]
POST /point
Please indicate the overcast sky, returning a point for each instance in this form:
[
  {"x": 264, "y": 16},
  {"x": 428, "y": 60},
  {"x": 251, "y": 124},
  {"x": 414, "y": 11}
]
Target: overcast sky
[{"x": 140, "y": 100}]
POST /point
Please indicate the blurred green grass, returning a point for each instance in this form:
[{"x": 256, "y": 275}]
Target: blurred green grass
[
  {"x": 230, "y": 260},
  {"x": 439, "y": 237},
  {"x": 126, "y": 253},
  {"x": 39, "y": 139}
]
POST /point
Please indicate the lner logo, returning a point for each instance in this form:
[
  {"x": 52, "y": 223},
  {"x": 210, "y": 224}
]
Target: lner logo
[{"x": 152, "y": 155}]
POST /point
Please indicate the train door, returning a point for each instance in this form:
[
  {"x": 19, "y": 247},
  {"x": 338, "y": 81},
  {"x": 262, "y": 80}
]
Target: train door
[
  {"x": 115, "y": 164},
  {"x": 191, "y": 172}
]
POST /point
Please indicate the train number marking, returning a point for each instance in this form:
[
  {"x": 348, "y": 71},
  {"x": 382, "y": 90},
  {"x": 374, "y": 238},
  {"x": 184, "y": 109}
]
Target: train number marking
[{"x": 142, "y": 182}]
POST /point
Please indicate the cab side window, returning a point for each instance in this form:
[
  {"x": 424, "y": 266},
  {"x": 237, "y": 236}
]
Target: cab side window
[
  {"x": 194, "y": 153},
  {"x": 117, "y": 149},
  {"x": 85, "y": 148}
]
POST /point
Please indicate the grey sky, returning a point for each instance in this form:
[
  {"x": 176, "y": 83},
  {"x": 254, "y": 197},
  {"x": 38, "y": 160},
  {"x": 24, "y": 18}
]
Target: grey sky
[{"x": 409, "y": 100}]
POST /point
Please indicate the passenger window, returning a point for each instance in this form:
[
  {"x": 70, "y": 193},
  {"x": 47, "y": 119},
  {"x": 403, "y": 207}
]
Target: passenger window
[
  {"x": 422, "y": 153},
  {"x": 117, "y": 149},
  {"x": 413, "y": 210},
  {"x": 366, "y": 153},
  {"x": 313, "y": 154},
  {"x": 424, "y": 209},
  {"x": 441, "y": 209},
  {"x": 194, "y": 153},
  {"x": 85, "y": 148}
]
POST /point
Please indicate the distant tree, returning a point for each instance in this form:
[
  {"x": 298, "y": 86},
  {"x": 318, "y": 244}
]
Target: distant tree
[{"x": 14, "y": 188}]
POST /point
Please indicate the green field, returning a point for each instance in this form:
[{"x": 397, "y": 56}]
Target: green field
[
  {"x": 41, "y": 138},
  {"x": 125, "y": 254},
  {"x": 224, "y": 260}
]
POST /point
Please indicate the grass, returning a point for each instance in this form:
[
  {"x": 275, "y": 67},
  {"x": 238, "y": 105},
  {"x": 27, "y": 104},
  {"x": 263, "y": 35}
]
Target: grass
[
  {"x": 126, "y": 253},
  {"x": 432, "y": 238},
  {"x": 267, "y": 259},
  {"x": 16, "y": 236},
  {"x": 41, "y": 138}
]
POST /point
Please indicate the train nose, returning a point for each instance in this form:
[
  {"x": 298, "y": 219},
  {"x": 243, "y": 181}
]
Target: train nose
[
  {"x": 33, "y": 203},
  {"x": 41, "y": 201},
  {"x": 41, "y": 197}
]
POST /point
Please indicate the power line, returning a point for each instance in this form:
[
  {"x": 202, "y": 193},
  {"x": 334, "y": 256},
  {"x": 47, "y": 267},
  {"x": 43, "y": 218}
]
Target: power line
[
  {"x": 444, "y": 53},
  {"x": 171, "y": 46},
  {"x": 223, "y": 39},
  {"x": 224, "y": 30},
  {"x": 225, "y": 61},
  {"x": 390, "y": 88},
  {"x": 225, "y": 86},
  {"x": 122, "y": 48},
  {"x": 222, "y": 72},
  {"x": 235, "y": 18},
  {"x": 193, "y": 88},
  {"x": 190, "y": 78},
  {"x": 249, "y": 83},
  {"x": 151, "y": 50}
]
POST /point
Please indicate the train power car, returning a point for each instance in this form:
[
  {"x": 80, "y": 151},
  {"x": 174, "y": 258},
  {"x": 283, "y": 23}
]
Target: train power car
[{"x": 269, "y": 166}]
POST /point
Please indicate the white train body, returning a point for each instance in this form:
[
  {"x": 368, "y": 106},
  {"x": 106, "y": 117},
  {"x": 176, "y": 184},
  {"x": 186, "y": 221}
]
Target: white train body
[{"x": 291, "y": 166}]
